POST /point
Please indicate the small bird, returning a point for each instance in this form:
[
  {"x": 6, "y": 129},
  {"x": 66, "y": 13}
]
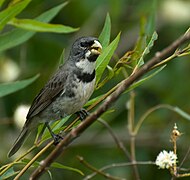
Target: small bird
[{"x": 67, "y": 90}]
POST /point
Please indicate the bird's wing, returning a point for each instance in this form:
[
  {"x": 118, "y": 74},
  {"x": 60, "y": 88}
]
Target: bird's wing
[{"x": 54, "y": 86}]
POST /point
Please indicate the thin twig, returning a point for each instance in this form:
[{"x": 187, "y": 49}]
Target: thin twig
[
  {"x": 185, "y": 157},
  {"x": 33, "y": 160},
  {"x": 116, "y": 139},
  {"x": 131, "y": 125},
  {"x": 115, "y": 165},
  {"x": 107, "y": 103},
  {"x": 106, "y": 175},
  {"x": 8, "y": 166}
]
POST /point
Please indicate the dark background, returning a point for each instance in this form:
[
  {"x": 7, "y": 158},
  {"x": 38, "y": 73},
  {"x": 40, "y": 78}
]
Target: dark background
[{"x": 171, "y": 86}]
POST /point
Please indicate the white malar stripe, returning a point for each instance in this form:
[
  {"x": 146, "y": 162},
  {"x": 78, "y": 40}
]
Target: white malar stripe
[{"x": 86, "y": 66}]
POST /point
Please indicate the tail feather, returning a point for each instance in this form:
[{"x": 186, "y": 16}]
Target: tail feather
[{"x": 19, "y": 141}]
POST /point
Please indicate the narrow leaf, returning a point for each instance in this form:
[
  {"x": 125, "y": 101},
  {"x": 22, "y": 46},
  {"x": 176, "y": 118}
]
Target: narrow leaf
[
  {"x": 33, "y": 25},
  {"x": 138, "y": 83},
  {"x": 18, "y": 36},
  {"x": 8, "y": 174},
  {"x": 105, "y": 57},
  {"x": 58, "y": 165},
  {"x": 147, "y": 49},
  {"x": 62, "y": 57},
  {"x": 8, "y": 88},
  {"x": 106, "y": 32},
  {"x": 92, "y": 101},
  {"x": 11, "y": 11},
  {"x": 150, "y": 26},
  {"x": 107, "y": 78}
]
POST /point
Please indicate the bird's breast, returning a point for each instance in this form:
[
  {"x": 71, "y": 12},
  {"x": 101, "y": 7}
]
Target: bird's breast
[{"x": 73, "y": 98}]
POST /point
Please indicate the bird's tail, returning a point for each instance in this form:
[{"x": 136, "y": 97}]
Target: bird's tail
[{"x": 20, "y": 140}]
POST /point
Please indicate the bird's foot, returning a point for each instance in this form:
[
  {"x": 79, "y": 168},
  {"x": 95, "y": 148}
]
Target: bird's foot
[
  {"x": 82, "y": 114},
  {"x": 56, "y": 137}
]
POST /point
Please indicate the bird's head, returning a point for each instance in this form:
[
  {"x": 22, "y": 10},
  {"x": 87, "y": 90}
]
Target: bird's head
[{"x": 86, "y": 47}]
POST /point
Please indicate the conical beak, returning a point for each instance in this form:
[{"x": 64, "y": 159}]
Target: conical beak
[{"x": 96, "y": 48}]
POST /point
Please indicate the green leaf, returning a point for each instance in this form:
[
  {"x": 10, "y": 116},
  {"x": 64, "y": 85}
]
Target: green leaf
[
  {"x": 138, "y": 83},
  {"x": 1, "y": 2},
  {"x": 60, "y": 166},
  {"x": 57, "y": 125},
  {"x": 18, "y": 36},
  {"x": 56, "y": 128},
  {"x": 9, "y": 173},
  {"x": 33, "y": 25},
  {"x": 140, "y": 44},
  {"x": 105, "y": 57},
  {"x": 104, "y": 37},
  {"x": 12, "y": 10},
  {"x": 92, "y": 101},
  {"x": 107, "y": 78},
  {"x": 62, "y": 57},
  {"x": 147, "y": 49},
  {"x": 8, "y": 88},
  {"x": 150, "y": 26}
]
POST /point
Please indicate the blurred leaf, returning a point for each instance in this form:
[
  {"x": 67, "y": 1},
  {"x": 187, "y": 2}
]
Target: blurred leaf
[
  {"x": 18, "y": 36},
  {"x": 105, "y": 57},
  {"x": 11, "y": 11},
  {"x": 106, "y": 32},
  {"x": 62, "y": 57},
  {"x": 50, "y": 174},
  {"x": 138, "y": 83},
  {"x": 8, "y": 88},
  {"x": 1, "y": 2},
  {"x": 182, "y": 113},
  {"x": 26, "y": 161},
  {"x": 58, "y": 165},
  {"x": 140, "y": 44},
  {"x": 150, "y": 26},
  {"x": 9, "y": 173},
  {"x": 33, "y": 25},
  {"x": 147, "y": 49}
]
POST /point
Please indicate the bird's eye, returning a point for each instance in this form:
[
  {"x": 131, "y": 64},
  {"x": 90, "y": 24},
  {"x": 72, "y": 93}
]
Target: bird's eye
[
  {"x": 83, "y": 44},
  {"x": 86, "y": 44}
]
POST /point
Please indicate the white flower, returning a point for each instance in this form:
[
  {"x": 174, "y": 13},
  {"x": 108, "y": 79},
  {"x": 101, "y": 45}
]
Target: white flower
[{"x": 166, "y": 159}]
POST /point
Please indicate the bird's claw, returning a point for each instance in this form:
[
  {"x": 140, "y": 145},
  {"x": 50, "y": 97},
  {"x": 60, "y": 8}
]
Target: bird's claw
[{"x": 82, "y": 114}]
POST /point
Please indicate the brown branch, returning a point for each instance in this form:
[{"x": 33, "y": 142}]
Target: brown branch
[{"x": 107, "y": 103}]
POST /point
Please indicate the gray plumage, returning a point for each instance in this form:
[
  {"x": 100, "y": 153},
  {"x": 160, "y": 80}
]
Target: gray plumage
[{"x": 67, "y": 91}]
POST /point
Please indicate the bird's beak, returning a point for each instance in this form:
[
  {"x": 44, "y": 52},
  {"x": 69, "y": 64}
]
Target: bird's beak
[{"x": 96, "y": 48}]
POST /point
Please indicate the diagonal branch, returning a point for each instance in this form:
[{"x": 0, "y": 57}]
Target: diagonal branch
[{"x": 159, "y": 56}]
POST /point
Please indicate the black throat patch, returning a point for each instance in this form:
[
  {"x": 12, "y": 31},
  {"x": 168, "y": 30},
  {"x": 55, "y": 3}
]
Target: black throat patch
[
  {"x": 93, "y": 57},
  {"x": 85, "y": 77}
]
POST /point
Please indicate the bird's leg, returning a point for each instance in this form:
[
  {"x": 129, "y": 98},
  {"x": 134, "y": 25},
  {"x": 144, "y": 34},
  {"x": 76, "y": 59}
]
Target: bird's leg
[
  {"x": 82, "y": 114},
  {"x": 56, "y": 137}
]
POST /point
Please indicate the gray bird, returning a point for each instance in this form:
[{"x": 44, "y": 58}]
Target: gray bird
[{"x": 67, "y": 90}]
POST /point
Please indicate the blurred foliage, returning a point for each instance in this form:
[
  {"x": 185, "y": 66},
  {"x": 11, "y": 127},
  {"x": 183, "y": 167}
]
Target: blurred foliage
[{"x": 35, "y": 52}]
